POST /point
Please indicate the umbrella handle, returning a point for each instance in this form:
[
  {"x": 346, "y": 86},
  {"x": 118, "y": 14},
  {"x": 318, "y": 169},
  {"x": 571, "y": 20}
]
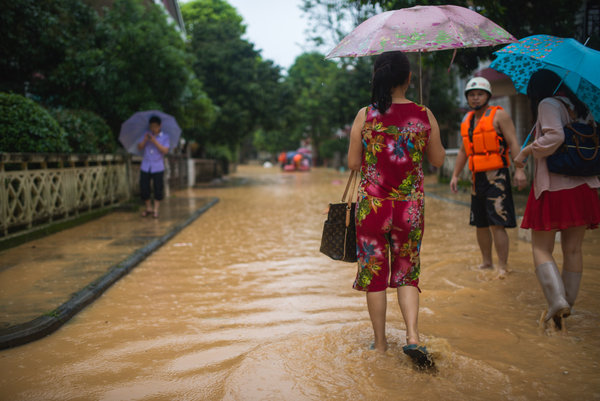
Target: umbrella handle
[
  {"x": 527, "y": 139},
  {"x": 420, "y": 79}
]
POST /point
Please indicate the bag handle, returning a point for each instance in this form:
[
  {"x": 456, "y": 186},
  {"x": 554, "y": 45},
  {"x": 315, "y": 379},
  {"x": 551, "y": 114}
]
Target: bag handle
[
  {"x": 576, "y": 140},
  {"x": 351, "y": 184},
  {"x": 352, "y": 180}
]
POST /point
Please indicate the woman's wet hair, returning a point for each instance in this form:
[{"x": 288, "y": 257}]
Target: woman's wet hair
[
  {"x": 390, "y": 70},
  {"x": 543, "y": 84}
]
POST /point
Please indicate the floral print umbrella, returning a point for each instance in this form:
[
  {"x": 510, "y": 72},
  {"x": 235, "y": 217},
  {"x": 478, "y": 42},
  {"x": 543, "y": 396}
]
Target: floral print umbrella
[
  {"x": 421, "y": 28},
  {"x": 575, "y": 63}
]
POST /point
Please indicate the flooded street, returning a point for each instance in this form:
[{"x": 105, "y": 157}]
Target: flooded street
[{"x": 242, "y": 306}]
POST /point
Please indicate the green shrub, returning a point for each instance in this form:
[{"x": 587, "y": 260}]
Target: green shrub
[
  {"x": 86, "y": 131},
  {"x": 25, "y": 126}
]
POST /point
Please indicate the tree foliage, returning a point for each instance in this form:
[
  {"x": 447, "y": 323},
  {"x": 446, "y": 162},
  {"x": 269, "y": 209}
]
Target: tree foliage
[
  {"x": 86, "y": 131},
  {"x": 63, "y": 54},
  {"x": 138, "y": 62},
  {"x": 36, "y": 37},
  {"x": 28, "y": 127},
  {"x": 329, "y": 26},
  {"x": 239, "y": 82},
  {"x": 521, "y": 19},
  {"x": 313, "y": 80}
]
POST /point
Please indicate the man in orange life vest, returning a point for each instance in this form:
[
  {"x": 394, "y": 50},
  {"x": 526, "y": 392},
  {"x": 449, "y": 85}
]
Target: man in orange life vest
[{"x": 488, "y": 135}]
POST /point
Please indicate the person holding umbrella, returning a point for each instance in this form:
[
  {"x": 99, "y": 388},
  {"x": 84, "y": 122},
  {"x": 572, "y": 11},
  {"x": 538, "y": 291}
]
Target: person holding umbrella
[
  {"x": 388, "y": 142},
  {"x": 488, "y": 134},
  {"x": 154, "y": 145},
  {"x": 557, "y": 202}
]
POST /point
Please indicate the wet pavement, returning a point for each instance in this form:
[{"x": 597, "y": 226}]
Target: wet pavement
[
  {"x": 240, "y": 305},
  {"x": 44, "y": 282}
]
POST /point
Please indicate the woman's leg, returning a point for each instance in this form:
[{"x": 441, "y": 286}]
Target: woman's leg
[
  {"x": 571, "y": 242},
  {"x": 548, "y": 275},
  {"x": 542, "y": 244},
  {"x": 377, "y": 305},
  {"x": 408, "y": 298},
  {"x": 373, "y": 267}
]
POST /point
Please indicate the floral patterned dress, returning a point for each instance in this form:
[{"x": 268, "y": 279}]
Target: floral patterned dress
[{"x": 390, "y": 205}]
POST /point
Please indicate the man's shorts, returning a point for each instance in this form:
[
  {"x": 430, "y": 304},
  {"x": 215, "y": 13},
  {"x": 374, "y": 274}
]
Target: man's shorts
[{"x": 492, "y": 203}]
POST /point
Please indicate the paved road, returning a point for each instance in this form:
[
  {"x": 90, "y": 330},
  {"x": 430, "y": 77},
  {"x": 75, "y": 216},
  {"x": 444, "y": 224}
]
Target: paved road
[{"x": 45, "y": 282}]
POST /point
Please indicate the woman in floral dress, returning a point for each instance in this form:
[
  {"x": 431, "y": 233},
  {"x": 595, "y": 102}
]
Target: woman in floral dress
[{"x": 388, "y": 141}]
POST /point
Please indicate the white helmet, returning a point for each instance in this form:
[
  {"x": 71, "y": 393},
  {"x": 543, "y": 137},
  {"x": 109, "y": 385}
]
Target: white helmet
[{"x": 479, "y": 83}]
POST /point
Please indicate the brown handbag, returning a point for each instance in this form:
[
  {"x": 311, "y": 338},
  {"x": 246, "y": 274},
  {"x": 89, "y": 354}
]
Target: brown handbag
[{"x": 339, "y": 231}]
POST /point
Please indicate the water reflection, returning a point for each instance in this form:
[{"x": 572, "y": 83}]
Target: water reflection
[{"x": 241, "y": 306}]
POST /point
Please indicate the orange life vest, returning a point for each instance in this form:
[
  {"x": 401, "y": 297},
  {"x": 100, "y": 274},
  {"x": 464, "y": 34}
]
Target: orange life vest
[{"x": 485, "y": 148}]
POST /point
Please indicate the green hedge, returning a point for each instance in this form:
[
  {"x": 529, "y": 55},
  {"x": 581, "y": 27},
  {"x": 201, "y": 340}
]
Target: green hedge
[
  {"x": 87, "y": 132},
  {"x": 26, "y": 126}
]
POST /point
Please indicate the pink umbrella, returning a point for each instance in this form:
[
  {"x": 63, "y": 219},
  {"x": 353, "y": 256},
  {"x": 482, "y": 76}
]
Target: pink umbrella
[{"x": 422, "y": 29}]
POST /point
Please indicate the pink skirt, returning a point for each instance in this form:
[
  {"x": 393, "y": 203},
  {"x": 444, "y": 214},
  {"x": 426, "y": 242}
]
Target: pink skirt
[{"x": 558, "y": 210}]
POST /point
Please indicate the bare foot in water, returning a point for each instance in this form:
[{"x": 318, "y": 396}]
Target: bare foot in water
[
  {"x": 382, "y": 347},
  {"x": 486, "y": 266},
  {"x": 502, "y": 272}
]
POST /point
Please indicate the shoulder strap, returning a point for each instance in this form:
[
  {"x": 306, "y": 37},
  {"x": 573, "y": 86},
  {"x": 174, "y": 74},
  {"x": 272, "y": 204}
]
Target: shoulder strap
[
  {"x": 569, "y": 110},
  {"x": 471, "y": 126},
  {"x": 350, "y": 185}
]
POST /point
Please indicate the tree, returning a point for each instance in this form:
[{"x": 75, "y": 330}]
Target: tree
[
  {"x": 522, "y": 19},
  {"x": 239, "y": 82},
  {"x": 36, "y": 36},
  {"x": 67, "y": 56},
  {"x": 138, "y": 63},
  {"x": 196, "y": 112},
  {"x": 313, "y": 79}
]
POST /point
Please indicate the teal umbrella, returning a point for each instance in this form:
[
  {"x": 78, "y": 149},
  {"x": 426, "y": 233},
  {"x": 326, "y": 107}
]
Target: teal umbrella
[{"x": 575, "y": 63}]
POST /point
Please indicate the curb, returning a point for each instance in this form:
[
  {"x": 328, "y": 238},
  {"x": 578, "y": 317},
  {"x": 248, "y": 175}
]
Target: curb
[{"x": 50, "y": 322}]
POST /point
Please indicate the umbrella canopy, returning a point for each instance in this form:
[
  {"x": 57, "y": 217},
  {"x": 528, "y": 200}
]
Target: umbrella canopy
[
  {"x": 575, "y": 63},
  {"x": 133, "y": 130},
  {"x": 421, "y": 28}
]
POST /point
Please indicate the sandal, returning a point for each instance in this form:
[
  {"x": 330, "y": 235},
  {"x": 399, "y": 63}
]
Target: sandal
[
  {"x": 420, "y": 357},
  {"x": 146, "y": 213},
  {"x": 155, "y": 215}
]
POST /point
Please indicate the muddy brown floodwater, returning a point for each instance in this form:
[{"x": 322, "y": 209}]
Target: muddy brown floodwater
[{"x": 241, "y": 306}]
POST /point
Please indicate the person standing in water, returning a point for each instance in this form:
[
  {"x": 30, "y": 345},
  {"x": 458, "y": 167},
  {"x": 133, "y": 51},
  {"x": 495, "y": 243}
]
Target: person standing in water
[
  {"x": 488, "y": 134},
  {"x": 557, "y": 202},
  {"x": 154, "y": 146},
  {"x": 387, "y": 143}
]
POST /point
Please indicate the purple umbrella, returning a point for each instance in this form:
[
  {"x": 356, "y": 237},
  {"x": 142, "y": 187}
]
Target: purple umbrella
[{"x": 133, "y": 130}]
